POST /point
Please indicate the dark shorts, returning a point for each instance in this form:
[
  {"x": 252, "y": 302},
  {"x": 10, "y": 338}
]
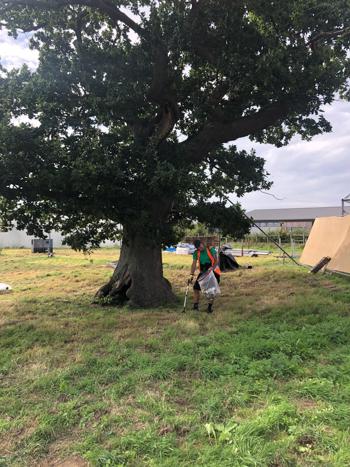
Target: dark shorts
[{"x": 196, "y": 284}]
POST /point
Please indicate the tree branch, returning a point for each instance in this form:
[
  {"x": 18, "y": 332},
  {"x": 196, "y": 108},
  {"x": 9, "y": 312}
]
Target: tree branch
[
  {"x": 160, "y": 91},
  {"x": 199, "y": 37},
  {"x": 214, "y": 133},
  {"x": 329, "y": 35},
  {"x": 31, "y": 28},
  {"x": 202, "y": 41},
  {"x": 105, "y": 6}
]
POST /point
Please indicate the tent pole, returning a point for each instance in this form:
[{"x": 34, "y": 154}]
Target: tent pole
[{"x": 263, "y": 232}]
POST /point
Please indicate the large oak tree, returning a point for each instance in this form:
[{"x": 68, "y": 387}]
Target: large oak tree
[{"x": 133, "y": 103}]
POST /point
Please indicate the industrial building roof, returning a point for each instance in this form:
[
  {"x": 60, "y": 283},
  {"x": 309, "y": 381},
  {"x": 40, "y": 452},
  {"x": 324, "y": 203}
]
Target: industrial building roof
[{"x": 294, "y": 214}]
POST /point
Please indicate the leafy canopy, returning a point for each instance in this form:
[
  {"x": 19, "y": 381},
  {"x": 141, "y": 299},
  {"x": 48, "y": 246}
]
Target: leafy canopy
[{"x": 128, "y": 116}]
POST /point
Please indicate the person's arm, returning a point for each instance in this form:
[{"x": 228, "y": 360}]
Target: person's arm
[
  {"x": 216, "y": 259},
  {"x": 193, "y": 267}
]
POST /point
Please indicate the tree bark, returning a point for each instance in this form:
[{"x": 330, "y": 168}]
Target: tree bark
[{"x": 138, "y": 278}]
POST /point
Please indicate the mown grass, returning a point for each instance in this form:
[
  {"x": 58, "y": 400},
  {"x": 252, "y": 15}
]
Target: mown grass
[{"x": 265, "y": 381}]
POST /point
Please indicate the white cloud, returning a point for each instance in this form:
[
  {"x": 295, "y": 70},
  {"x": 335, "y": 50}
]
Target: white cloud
[
  {"x": 16, "y": 52},
  {"x": 25, "y": 119},
  {"x": 314, "y": 173}
]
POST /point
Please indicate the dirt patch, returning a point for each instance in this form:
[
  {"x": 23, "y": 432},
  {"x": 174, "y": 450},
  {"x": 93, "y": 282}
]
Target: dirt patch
[
  {"x": 306, "y": 440},
  {"x": 13, "y": 438},
  {"x": 333, "y": 287},
  {"x": 73, "y": 461},
  {"x": 306, "y": 404}
]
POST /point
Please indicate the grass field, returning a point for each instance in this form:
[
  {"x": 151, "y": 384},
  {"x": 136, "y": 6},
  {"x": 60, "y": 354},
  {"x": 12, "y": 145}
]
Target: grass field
[{"x": 264, "y": 381}]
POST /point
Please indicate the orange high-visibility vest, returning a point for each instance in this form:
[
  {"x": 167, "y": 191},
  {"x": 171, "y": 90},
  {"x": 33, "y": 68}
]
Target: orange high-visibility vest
[{"x": 217, "y": 270}]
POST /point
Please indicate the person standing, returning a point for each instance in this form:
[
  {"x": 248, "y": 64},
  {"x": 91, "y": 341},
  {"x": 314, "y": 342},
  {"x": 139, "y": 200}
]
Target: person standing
[{"x": 205, "y": 259}]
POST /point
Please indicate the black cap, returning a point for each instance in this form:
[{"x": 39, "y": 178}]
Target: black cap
[{"x": 197, "y": 243}]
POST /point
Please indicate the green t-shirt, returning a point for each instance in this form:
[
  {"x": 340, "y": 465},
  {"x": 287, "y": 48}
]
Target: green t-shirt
[{"x": 204, "y": 258}]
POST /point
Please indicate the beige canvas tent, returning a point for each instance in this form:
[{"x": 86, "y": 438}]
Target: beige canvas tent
[{"x": 330, "y": 236}]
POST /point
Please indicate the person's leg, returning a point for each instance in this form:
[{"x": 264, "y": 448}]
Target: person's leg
[
  {"x": 211, "y": 301},
  {"x": 196, "y": 298},
  {"x": 196, "y": 294}
]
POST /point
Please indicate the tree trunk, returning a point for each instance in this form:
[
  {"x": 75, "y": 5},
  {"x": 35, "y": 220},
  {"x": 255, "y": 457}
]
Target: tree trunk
[{"x": 138, "y": 278}]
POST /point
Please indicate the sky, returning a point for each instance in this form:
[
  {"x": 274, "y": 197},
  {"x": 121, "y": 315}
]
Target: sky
[
  {"x": 307, "y": 173},
  {"x": 304, "y": 174}
]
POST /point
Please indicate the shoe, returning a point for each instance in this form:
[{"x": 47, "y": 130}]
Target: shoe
[
  {"x": 210, "y": 308},
  {"x": 196, "y": 306}
]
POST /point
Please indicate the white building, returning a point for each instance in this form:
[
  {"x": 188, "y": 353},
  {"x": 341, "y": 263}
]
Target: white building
[
  {"x": 290, "y": 218},
  {"x": 19, "y": 239}
]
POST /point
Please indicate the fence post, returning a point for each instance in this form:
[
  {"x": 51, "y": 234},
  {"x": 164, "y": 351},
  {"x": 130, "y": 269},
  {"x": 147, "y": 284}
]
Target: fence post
[
  {"x": 280, "y": 244},
  {"x": 292, "y": 245}
]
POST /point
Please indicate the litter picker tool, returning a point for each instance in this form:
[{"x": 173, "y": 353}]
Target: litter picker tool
[{"x": 186, "y": 295}]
